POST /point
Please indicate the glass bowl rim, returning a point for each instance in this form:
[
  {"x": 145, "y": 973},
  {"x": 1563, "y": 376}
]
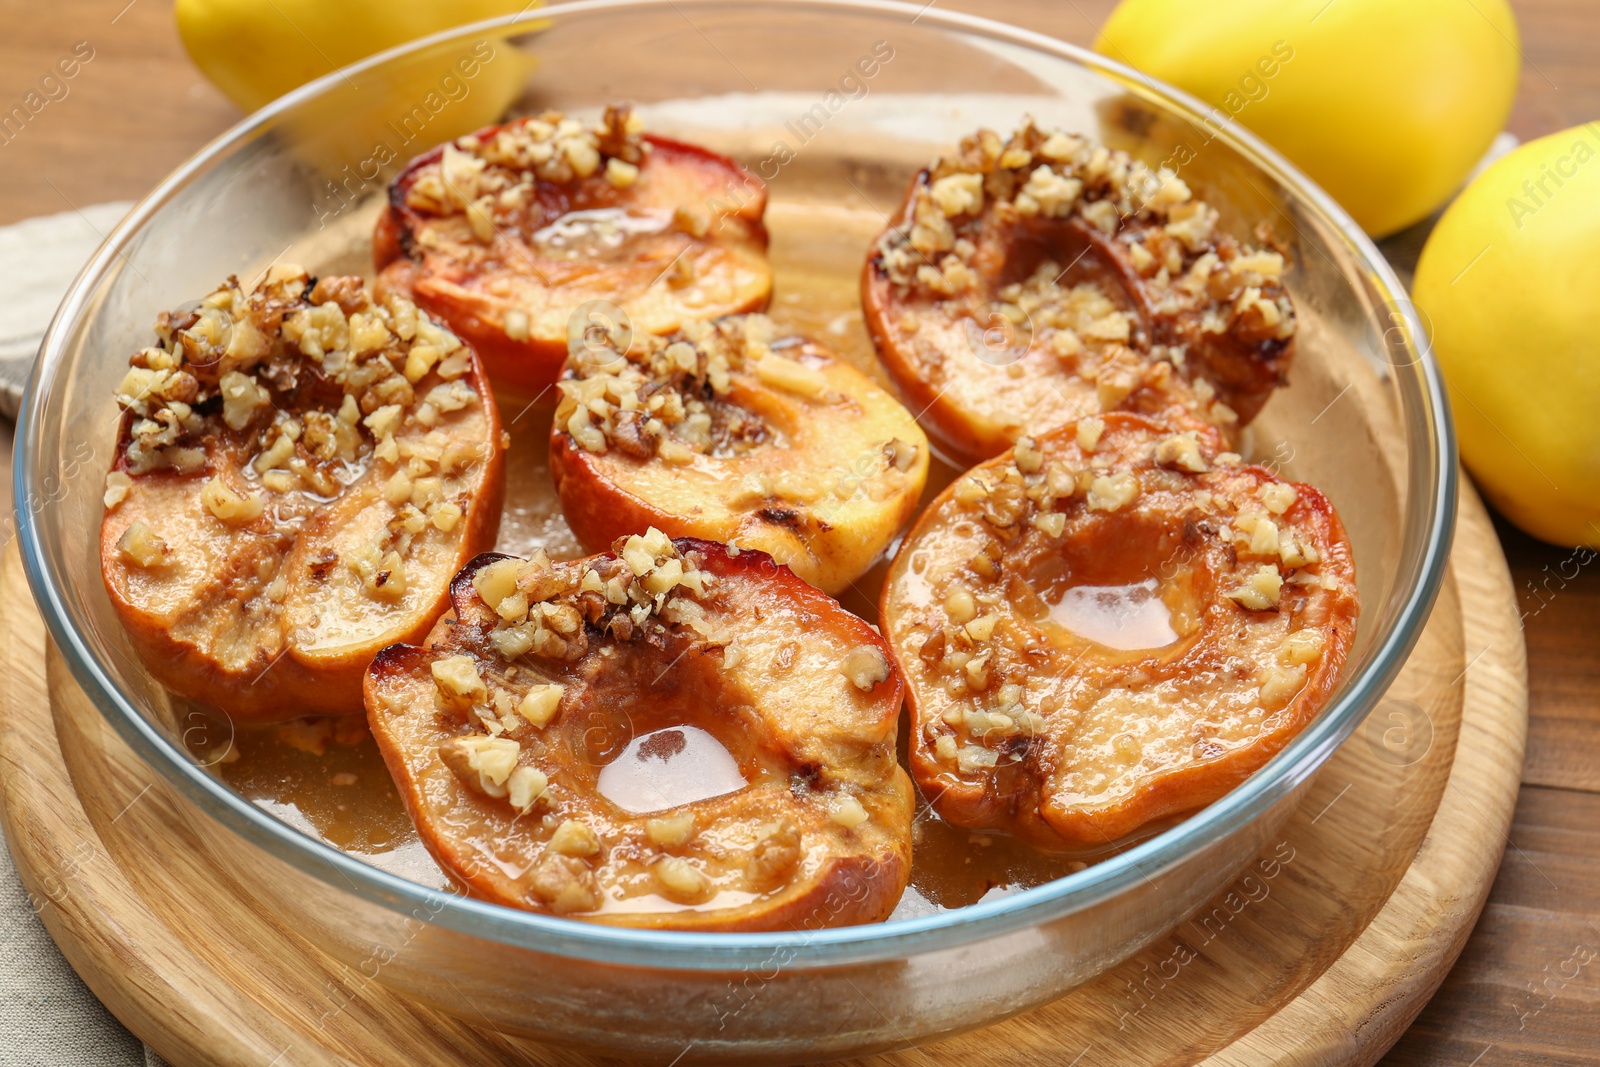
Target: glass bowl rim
[{"x": 1436, "y": 481}]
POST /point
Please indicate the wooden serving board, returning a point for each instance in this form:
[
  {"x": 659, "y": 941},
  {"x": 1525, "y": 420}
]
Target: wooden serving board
[{"x": 1322, "y": 954}]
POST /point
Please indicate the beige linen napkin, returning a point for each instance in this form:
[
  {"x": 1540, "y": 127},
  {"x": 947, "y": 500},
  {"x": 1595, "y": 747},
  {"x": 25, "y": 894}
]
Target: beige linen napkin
[
  {"x": 48, "y": 1017},
  {"x": 38, "y": 260}
]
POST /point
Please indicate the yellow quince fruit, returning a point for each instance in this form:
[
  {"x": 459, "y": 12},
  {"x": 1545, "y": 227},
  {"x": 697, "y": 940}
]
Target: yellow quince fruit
[
  {"x": 1509, "y": 282},
  {"x": 365, "y": 124},
  {"x": 1387, "y": 104},
  {"x": 257, "y": 50}
]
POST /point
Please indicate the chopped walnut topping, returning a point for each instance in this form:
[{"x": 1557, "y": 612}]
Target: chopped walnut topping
[
  {"x": 482, "y": 762},
  {"x": 664, "y": 396},
  {"x": 1089, "y": 431},
  {"x": 117, "y": 485},
  {"x": 1260, "y": 591},
  {"x": 846, "y": 811},
  {"x": 458, "y": 679},
  {"x": 1295, "y": 552},
  {"x": 566, "y": 884},
  {"x": 575, "y": 838},
  {"x": 497, "y": 581},
  {"x": 526, "y": 787},
  {"x": 1279, "y": 683},
  {"x": 237, "y": 366},
  {"x": 775, "y": 857},
  {"x": 1051, "y": 524},
  {"x": 1054, "y": 174},
  {"x": 1027, "y": 456},
  {"x": 227, "y": 505},
  {"x": 680, "y": 879},
  {"x": 982, "y": 628},
  {"x": 480, "y": 176},
  {"x": 1048, "y": 193},
  {"x": 621, "y": 174},
  {"x": 383, "y": 574},
  {"x": 960, "y": 606},
  {"x": 242, "y": 399},
  {"x": 1188, "y": 268},
  {"x": 1302, "y": 646},
  {"x": 1112, "y": 492},
  {"x": 785, "y": 374},
  {"x": 142, "y": 547},
  {"x": 551, "y": 610},
  {"x": 1182, "y": 451},
  {"x": 958, "y": 194},
  {"x": 670, "y": 831},
  {"x": 1278, "y": 497},
  {"x": 865, "y": 666},
  {"x": 1264, "y": 534},
  {"x": 488, "y": 765},
  {"x": 901, "y": 454},
  {"x": 972, "y": 758},
  {"x": 540, "y": 704}
]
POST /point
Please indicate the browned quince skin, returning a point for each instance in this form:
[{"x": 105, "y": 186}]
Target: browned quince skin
[
  {"x": 508, "y": 233},
  {"x": 729, "y": 432},
  {"x": 300, "y": 470},
  {"x": 1111, "y": 624},
  {"x": 674, "y": 736},
  {"x": 1031, "y": 281}
]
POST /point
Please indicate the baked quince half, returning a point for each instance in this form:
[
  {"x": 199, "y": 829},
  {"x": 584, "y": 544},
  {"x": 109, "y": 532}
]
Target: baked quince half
[
  {"x": 1031, "y": 281},
  {"x": 678, "y": 735},
  {"x": 526, "y": 236},
  {"x": 727, "y": 431},
  {"x": 299, "y": 472},
  {"x": 1112, "y": 623}
]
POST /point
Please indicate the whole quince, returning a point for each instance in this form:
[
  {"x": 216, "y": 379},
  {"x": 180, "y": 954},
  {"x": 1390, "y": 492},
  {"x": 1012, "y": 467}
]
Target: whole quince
[
  {"x": 1387, "y": 105},
  {"x": 1508, "y": 283},
  {"x": 366, "y": 123},
  {"x": 257, "y": 50}
]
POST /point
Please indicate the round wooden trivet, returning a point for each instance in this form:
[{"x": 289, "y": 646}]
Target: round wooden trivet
[{"x": 1321, "y": 954}]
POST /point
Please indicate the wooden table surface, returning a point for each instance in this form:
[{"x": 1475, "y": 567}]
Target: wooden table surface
[{"x": 1527, "y": 987}]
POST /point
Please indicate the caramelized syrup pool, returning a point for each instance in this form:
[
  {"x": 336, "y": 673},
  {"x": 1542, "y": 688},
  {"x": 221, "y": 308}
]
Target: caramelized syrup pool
[
  {"x": 665, "y": 768},
  {"x": 597, "y": 233},
  {"x": 326, "y": 778},
  {"x": 1124, "y": 617}
]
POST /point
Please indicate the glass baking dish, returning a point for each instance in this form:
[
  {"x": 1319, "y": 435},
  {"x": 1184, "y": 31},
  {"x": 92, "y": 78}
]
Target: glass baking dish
[{"x": 835, "y": 104}]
